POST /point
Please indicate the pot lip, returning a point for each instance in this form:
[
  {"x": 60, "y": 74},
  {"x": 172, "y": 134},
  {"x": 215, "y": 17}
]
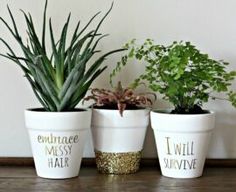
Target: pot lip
[
  {"x": 128, "y": 110},
  {"x": 41, "y": 110},
  {"x": 166, "y": 112}
]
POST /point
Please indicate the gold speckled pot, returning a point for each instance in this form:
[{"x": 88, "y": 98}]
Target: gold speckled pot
[
  {"x": 118, "y": 163},
  {"x": 118, "y": 141}
]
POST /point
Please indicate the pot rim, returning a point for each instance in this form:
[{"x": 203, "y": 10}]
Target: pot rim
[
  {"x": 183, "y": 123},
  {"x": 167, "y": 112},
  {"x": 57, "y": 121},
  {"x": 129, "y": 110},
  {"x": 41, "y": 110}
]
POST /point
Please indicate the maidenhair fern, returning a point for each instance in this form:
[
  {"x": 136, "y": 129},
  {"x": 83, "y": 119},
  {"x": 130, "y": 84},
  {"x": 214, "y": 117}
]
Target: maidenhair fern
[{"x": 181, "y": 73}]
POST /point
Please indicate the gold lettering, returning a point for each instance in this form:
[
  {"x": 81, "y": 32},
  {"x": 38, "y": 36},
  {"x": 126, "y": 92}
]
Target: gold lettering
[
  {"x": 183, "y": 164},
  {"x": 76, "y": 138},
  {"x": 57, "y": 163},
  {"x": 70, "y": 149},
  {"x": 51, "y": 139},
  {"x": 49, "y": 150},
  {"x": 50, "y": 162},
  {"x": 168, "y": 145},
  {"x": 39, "y": 138},
  {"x": 177, "y": 148},
  {"x": 192, "y": 149},
  {"x": 184, "y": 149}
]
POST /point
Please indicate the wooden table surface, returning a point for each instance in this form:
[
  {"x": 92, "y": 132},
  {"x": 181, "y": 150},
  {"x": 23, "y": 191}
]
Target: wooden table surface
[{"x": 24, "y": 179}]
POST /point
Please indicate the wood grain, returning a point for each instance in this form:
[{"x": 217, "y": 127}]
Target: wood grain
[
  {"x": 24, "y": 179},
  {"x": 145, "y": 162}
]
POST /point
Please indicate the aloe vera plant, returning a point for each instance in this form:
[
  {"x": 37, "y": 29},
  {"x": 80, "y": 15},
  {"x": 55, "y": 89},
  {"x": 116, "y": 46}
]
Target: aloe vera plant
[{"x": 60, "y": 79}]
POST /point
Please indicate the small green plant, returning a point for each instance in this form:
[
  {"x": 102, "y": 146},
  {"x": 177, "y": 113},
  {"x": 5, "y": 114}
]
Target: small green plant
[
  {"x": 181, "y": 73},
  {"x": 121, "y": 98},
  {"x": 59, "y": 79}
]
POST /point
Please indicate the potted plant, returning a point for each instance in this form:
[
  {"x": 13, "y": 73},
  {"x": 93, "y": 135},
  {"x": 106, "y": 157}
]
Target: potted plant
[
  {"x": 59, "y": 80},
  {"x": 186, "y": 78},
  {"x": 119, "y": 122}
]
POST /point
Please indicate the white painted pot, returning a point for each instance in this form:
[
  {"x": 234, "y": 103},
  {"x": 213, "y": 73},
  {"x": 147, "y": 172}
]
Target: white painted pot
[
  {"x": 118, "y": 141},
  {"x": 182, "y": 142},
  {"x": 57, "y": 141}
]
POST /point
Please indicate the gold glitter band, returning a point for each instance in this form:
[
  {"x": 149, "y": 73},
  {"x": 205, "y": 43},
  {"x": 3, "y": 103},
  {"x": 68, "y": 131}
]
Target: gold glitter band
[{"x": 118, "y": 163}]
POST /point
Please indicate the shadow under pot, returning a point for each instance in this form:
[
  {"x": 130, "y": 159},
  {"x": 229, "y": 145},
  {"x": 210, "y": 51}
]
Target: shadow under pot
[
  {"x": 182, "y": 142},
  {"x": 118, "y": 141}
]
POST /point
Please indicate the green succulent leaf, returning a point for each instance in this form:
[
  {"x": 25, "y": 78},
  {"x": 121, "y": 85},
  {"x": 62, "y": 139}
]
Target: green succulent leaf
[{"x": 59, "y": 79}]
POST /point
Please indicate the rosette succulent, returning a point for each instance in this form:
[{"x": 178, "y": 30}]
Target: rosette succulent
[{"x": 120, "y": 98}]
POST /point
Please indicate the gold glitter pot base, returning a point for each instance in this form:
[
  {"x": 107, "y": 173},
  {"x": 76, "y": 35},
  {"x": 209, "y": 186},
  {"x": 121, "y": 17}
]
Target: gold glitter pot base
[{"x": 118, "y": 163}]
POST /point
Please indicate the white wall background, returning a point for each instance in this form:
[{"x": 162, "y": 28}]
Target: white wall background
[{"x": 211, "y": 25}]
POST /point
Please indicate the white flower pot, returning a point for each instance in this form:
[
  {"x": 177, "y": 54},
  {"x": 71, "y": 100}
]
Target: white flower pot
[
  {"x": 118, "y": 141},
  {"x": 182, "y": 142},
  {"x": 57, "y": 141}
]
